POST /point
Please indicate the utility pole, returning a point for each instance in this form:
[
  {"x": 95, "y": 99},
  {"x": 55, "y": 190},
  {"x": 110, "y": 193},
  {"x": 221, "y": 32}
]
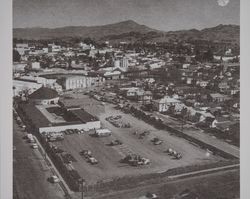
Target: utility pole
[{"x": 81, "y": 182}]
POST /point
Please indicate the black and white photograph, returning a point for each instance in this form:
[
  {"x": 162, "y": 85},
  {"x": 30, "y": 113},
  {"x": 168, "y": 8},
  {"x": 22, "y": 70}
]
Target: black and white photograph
[{"x": 126, "y": 99}]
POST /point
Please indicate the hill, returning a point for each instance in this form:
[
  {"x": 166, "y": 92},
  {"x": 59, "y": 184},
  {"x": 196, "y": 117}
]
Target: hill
[
  {"x": 95, "y": 32},
  {"x": 130, "y": 31}
]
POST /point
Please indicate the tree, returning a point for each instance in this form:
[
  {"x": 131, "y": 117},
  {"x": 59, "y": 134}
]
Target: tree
[
  {"x": 89, "y": 41},
  {"x": 16, "y": 56}
]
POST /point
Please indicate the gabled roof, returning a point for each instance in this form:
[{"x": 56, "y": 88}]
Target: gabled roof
[{"x": 44, "y": 93}]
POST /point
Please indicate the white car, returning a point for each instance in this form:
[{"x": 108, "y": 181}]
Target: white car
[
  {"x": 34, "y": 146},
  {"x": 92, "y": 160},
  {"x": 54, "y": 179}
]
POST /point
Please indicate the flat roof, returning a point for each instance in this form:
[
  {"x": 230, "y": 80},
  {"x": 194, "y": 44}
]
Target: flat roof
[
  {"x": 83, "y": 115},
  {"x": 40, "y": 120}
]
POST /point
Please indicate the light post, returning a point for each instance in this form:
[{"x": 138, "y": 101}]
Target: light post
[{"x": 81, "y": 182}]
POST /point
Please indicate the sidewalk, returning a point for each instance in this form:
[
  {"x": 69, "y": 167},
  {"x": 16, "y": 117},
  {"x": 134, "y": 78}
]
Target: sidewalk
[{"x": 53, "y": 169}]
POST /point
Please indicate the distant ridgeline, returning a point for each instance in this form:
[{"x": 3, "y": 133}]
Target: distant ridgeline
[{"x": 130, "y": 32}]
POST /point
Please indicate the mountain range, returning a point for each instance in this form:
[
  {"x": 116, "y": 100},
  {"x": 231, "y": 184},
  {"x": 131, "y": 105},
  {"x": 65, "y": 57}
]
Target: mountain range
[{"x": 129, "y": 31}]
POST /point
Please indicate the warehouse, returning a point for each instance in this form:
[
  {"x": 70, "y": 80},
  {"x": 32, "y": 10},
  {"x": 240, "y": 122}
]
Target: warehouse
[{"x": 53, "y": 118}]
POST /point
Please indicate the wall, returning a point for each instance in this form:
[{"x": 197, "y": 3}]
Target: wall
[
  {"x": 45, "y": 102},
  {"x": 86, "y": 126}
]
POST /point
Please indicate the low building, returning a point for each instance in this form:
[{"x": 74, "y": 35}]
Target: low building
[
  {"x": 44, "y": 96},
  {"x": 54, "y": 118},
  {"x": 75, "y": 82},
  {"x": 20, "y": 87},
  {"x": 35, "y": 65},
  {"x": 19, "y": 67}
]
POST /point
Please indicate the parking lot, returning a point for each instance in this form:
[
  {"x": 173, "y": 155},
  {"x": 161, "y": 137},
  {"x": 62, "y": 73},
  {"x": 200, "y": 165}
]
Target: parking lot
[{"x": 109, "y": 157}]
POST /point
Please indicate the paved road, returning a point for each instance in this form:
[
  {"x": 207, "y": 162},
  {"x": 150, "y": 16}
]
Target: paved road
[{"x": 30, "y": 171}]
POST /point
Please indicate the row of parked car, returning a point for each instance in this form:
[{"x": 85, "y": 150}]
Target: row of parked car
[
  {"x": 135, "y": 160},
  {"x": 158, "y": 141},
  {"x": 174, "y": 154},
  {"x": 117, "y": 122}
]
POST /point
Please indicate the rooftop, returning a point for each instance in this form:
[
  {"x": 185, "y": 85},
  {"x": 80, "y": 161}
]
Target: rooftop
[
  {"x": 55, "y": 115},
  {"x": 44, "y": 93},
  {"x": 83, "y": 115}
]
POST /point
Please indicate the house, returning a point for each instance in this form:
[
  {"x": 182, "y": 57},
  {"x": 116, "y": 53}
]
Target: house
[
  {"x": 223, "y": 124},
  {"x": 223, "y": 85},
  {"x": 131, "y": 93},
  {"x": 198, "y": 115},
  {"x": 203, "y": 84},
  {"x": 217, "y": 97},
  {"x": 144, "y": 96},
  {"x": 115, "y": 74},
  {"x": 162, "y": 105}
]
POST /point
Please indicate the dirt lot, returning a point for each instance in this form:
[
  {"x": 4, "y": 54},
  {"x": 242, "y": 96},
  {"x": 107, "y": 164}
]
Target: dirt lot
[
  {"x": 217, "y": 185},
  {"x": 109, "y": 156}
]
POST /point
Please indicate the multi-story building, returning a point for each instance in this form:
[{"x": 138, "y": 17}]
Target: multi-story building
[{"x": 74, "y": 82}]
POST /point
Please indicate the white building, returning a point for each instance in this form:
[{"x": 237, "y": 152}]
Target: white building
[
  {"x": 35, "y": 65},
  {"x": 20, "y": 86},
  {"x": 162, "y": 105},
  {"x": 19, "y": 67},
  {"x": 54, "y": 48},
  {"x": 75, "y": 82}
]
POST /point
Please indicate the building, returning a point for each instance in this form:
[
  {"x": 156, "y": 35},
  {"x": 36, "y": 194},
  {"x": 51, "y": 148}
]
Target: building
[
  {"x": 44, "y": 96},
  {"x": 144, "y": 96},
  {"x": 54, "y": 48},
  {"x": 124, "y": 62},
  {"x": 22, "y": 48},
  {"x": 35, "y": 65},
  {"x": 20, "y": 87},
  {"x": 162, "y": 105},
  {"x": 217, "y": 97},
  {"x": 54, "y": 118},
  {"x": 75, "y": 82},
  {"x": 19, "y": 67},
  {"x": 50, "y": 83}
]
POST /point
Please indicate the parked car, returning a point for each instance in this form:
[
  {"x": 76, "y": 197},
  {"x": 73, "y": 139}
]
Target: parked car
[
  {"x": 115, "y": 142},
  {"x": 151, "y": 196},
  {"x": 92, "y": 160},
  {"x": 34, "y": 146},
  {"x": 86, "y": 153},
  {"x": 157, "y": 141},
  {"x": 54, "y": 179}
]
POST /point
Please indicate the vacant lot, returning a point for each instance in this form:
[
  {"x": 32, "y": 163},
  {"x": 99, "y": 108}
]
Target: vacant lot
[
  {"x": 223, "y": 185},
  {"x": 109, "y": 157}
]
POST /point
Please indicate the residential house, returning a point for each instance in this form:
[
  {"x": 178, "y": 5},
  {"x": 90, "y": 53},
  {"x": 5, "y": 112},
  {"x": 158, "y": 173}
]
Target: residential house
[
  {"x": 217, "y": 97},
  {"x": 162, "y": 105},
  {"x": 144, "y": 96}
]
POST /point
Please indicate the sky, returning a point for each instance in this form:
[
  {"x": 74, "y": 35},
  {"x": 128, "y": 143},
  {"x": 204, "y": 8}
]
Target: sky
[{"x": 163, "y": 15}]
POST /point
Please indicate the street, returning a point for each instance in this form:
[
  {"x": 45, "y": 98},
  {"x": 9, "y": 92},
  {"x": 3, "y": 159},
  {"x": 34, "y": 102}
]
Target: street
[{"x": 30, "y": 171}]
